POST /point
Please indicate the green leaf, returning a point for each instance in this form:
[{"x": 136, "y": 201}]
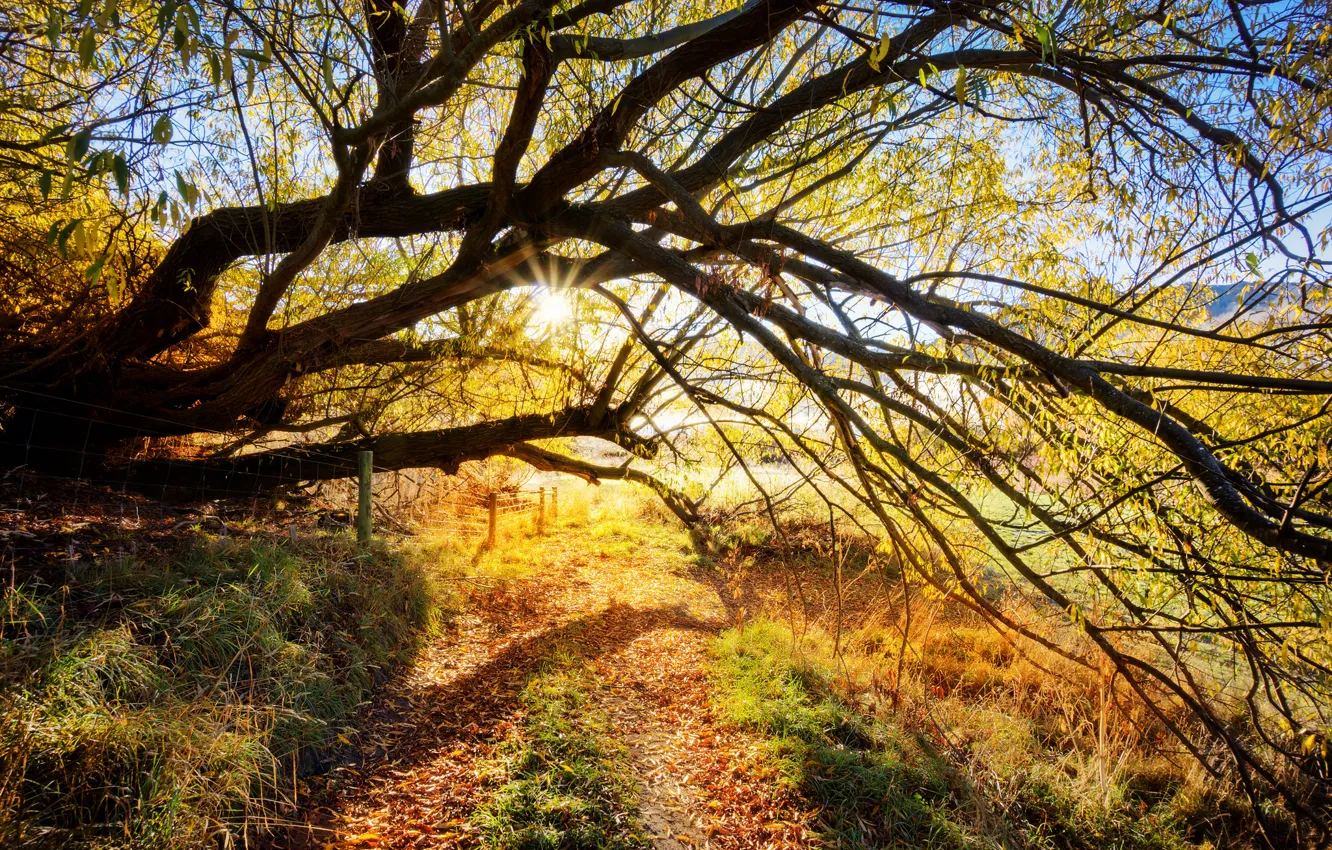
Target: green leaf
[
  {"x": 1045, "y": 36},
  {"x": 77, "y": 146},
  {"x": 57, "y": 130},
  {"x": 254, "y": 55},
  {"x": 156, "y": 213},
  {"x": 166, "y": 15},
  {"x": 87, "y": 47},
  {"x": 54, "y": 24},
  {"x": 62, "y": 236},
  {"x": 94, "y": 271},
  {"x": 109, "y": 14},
  {"x": 162, "y": 130},
  {"x": 189, "y": 193},
  {"x": 120, "y": 169},
  {"x": 1252, "y": 259},
  {"x": 44, "y": 184}
]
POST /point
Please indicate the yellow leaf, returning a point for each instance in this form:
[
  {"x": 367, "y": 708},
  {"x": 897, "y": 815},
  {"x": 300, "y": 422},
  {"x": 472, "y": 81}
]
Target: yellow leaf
[{"x": 877, "y": 53}]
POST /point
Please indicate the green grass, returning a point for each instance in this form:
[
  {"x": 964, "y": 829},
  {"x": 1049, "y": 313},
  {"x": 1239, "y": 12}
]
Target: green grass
[
  {"x": 854, "y": 772},
  {"x": 568, "y": 782},
  {"x": 168, "y": 704},
  {"x": 875, "y": 785}
]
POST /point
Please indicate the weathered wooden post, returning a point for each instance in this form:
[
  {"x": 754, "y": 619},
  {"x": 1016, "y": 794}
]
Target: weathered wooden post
[
  {"x": 554, "y": 505},
  {"x": 541, "y": 512},
  {"x": 490, "y": 534},
  {"x": 365, "y": 466}
]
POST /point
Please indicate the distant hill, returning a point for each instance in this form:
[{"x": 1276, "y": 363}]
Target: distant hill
[{"x": 1258, "y": 301}]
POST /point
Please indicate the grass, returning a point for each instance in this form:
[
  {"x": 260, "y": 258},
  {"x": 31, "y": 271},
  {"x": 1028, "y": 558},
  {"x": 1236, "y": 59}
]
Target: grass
[
  {"x": 173, "y": 704},
  {"x": 568, "y": 782},
  {"x": 876, "y": 784},
  {"x": 867, "y": 789}
]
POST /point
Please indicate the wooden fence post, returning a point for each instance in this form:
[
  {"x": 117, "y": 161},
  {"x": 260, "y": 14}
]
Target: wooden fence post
[
  {"x": 541, "y": 512},
  {"x": 490, "y": 535},
  {"x": 365, "y": 466},
  {"x": 554, "y": 505}
]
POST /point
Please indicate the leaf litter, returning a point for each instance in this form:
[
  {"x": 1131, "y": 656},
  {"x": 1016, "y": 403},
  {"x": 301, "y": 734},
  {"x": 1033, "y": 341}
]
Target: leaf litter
[{"x": 644, "y": 616}]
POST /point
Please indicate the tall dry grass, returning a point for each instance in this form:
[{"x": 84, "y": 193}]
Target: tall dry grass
[{"x": 973, "y": 733}]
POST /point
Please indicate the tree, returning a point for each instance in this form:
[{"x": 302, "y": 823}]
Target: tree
[{"x": 1038, "y": 289}]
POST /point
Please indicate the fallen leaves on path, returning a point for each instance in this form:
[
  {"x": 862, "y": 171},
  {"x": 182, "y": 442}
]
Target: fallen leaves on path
[{"x": 426, "y": 762}]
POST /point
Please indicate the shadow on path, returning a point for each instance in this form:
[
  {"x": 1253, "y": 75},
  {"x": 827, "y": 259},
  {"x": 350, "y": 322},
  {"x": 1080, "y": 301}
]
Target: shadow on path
[{"x": 443, "y": 720}]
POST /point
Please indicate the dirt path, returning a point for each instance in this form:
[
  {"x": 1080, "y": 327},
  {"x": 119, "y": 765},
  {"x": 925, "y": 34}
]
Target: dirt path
[{"x": 630, "y": 597}]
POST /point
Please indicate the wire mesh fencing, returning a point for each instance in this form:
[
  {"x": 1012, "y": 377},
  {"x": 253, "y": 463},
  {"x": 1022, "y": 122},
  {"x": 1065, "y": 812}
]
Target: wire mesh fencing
[
  {"x": 65, "y": 500},
  {"x": 490, "y": 515}
]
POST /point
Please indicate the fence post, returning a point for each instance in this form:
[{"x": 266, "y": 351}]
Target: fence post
[
  {"x": 365, "y": 465},
  {"x": 554, "y": 505},
  {"x": 541, "y": 512},
  {"x": 490, "y": 534}
]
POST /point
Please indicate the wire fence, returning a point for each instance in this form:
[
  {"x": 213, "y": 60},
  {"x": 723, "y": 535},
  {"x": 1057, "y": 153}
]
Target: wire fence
[
  {"x": 65, "y": 500},
  {"x": 471, "y": 515}
]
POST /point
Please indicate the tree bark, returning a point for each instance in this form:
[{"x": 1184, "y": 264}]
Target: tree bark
[{"x": 445, "y": 449}]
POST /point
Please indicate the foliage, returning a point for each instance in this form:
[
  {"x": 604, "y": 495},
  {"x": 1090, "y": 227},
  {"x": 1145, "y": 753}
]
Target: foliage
[
  {"x": 867, "y": 795},
  {"x": 162, "y": 704},
  {"x": 878, "y": 784}
]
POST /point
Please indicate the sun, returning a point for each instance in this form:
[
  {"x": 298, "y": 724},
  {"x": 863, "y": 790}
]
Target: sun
[{"x": 553, "y": 309}]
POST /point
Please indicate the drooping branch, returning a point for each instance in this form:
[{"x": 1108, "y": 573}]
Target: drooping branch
[
  {"x": 599, "y": 48},
  {"x": 680, "y": 504},
  {"x": 445, "y": 449},
  {"x": 1215, "y": 478}
]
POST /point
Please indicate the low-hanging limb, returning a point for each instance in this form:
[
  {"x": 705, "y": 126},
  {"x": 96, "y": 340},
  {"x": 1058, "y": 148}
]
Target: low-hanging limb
[
  {"x": 547, "y": 461},
  {"x": 444, "y": 448}
]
